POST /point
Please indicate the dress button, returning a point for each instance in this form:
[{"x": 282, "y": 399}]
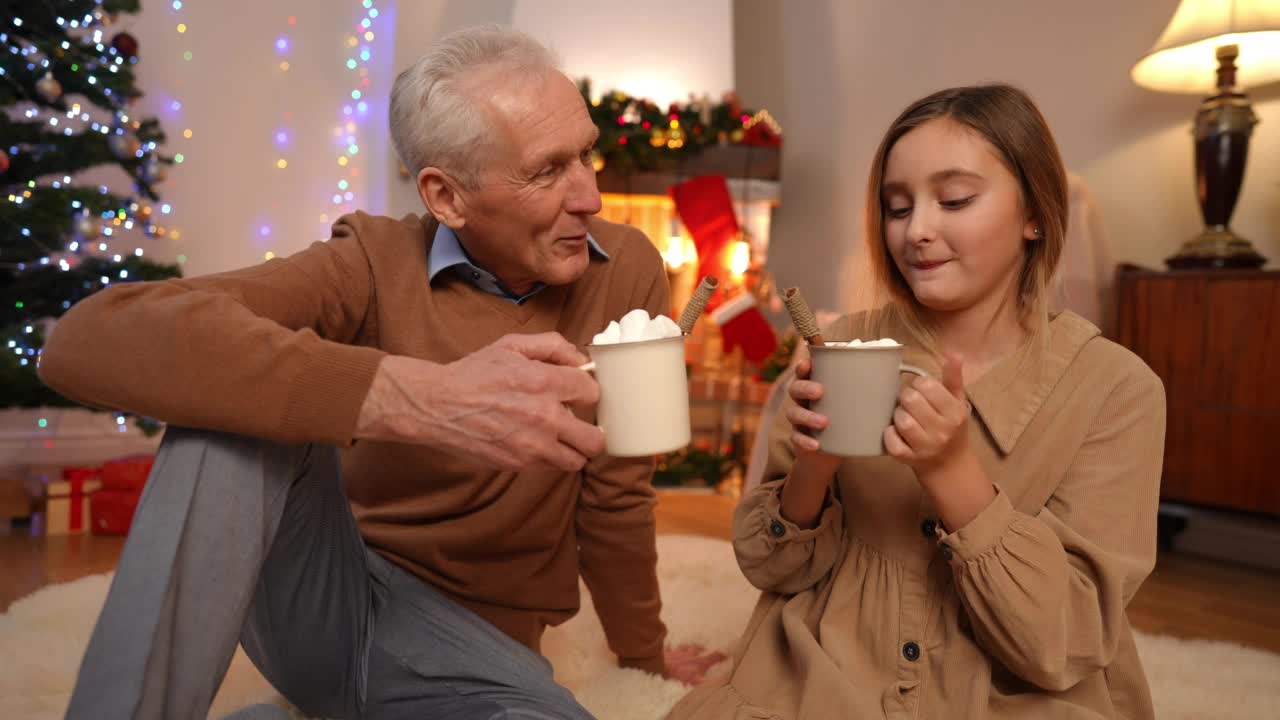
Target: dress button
[
  {"x": 911, "y": 652},
  {"x": 946, "y": 553},
  {"x": 930, "y": 528},
  {"x": 777, "y": 528}
]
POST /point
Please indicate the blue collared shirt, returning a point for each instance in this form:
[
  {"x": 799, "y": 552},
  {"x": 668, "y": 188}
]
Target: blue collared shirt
[{"x": 447, "y": 253}]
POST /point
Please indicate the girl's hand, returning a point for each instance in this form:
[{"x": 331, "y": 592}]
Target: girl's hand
[
  {"x": 804, "y": 422},
  {"x": 930, "y": 429}
]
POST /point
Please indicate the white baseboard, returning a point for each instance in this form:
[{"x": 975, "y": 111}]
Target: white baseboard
[{"x": 68, "y": 436}]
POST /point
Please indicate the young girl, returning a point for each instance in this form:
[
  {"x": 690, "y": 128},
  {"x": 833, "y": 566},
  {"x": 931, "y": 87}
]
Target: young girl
[{"x": 981, "y": 568}]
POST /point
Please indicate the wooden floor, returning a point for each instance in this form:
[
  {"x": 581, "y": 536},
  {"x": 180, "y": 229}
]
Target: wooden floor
[{"x": 1186, "y": 596}]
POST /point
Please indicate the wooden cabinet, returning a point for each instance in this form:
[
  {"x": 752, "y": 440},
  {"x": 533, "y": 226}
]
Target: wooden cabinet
[{"x": 1214, "y": 338}]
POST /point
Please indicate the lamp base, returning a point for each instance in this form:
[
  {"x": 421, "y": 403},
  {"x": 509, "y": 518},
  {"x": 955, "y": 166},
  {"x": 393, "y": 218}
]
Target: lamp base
[{"x": 1216, "y": 247}]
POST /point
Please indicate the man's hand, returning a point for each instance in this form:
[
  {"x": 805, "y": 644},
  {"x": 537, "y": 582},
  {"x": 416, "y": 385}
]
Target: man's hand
[
  {"x": 689, "y": 663},
  {"x": 505, "y": 405}
]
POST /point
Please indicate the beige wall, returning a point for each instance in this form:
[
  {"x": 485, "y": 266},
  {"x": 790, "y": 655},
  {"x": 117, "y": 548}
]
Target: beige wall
[{"x": 836, "y": 72}]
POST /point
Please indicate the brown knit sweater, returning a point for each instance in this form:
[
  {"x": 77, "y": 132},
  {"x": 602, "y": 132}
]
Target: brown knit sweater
[{"x": 287, "y": 350}]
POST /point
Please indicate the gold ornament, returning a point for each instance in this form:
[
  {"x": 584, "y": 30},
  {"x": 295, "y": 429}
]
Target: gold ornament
[
  {"x": 736, "y": 135},
  {"x": 124, "y": 145},
  {"x": 87, "y": 228},
  {"x": 658, "y": 138},
  {"x": 597, "y": 160},
  {"x": 49, "y": 88}
]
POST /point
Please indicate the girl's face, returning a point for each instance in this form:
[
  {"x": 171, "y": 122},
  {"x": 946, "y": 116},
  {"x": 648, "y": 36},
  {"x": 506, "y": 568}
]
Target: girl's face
[{"x": 954, "y": 220}]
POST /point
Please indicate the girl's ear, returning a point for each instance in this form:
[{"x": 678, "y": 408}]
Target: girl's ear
[{"x": 1031, "y": 230}]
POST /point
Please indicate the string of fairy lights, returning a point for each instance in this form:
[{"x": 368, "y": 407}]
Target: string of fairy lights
[
  {"x": 353, "y": 113},
  {"x": 353, "y": 110}
]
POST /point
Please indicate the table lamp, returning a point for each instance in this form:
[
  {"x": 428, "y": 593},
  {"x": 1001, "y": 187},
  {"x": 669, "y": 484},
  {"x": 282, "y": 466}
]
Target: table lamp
[{"x": 1202, "y": 34}]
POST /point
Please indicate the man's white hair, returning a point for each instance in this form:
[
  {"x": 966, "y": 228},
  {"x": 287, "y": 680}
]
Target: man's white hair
[{"x": 437, "y": 120}]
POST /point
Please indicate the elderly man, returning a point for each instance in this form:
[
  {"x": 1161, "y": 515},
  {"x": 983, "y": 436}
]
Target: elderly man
[{"x": 381, "y": 475}]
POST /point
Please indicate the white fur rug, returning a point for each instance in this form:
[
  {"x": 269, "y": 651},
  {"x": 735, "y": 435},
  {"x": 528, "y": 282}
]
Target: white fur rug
[{"x": 706, "y": 601}]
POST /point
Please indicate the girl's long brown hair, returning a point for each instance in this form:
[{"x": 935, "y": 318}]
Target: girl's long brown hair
[{"x": 1010, "y": 121}]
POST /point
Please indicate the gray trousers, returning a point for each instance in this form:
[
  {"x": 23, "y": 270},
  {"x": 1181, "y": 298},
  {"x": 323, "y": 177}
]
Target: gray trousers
[{"x": 238, "y": 539}]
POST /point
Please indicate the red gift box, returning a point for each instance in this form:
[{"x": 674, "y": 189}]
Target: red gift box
[
  {"x": 126, "y": 473},
  {"x": 81, "y": 474},
  {"x": 112, "y": 511}
]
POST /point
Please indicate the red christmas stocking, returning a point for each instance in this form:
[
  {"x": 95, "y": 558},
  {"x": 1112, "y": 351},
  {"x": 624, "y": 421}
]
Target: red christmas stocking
[
  {"x": 743, "y": 325},
  {"x": 706, "y": 209}
]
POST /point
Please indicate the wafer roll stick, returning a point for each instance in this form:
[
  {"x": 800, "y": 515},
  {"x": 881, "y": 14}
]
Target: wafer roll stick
[
  {"x": 801, "y": 316},
  {"x": 697, "y": 303}
]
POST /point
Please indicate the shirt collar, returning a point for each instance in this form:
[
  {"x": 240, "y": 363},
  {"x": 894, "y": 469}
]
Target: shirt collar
[
  {"x": 447, "y": 253},
  {"x": 1011, "y": 393}
]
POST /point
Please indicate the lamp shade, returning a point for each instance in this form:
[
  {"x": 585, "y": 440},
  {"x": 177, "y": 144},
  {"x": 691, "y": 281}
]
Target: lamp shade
[{"x": 1183, "y": 58}]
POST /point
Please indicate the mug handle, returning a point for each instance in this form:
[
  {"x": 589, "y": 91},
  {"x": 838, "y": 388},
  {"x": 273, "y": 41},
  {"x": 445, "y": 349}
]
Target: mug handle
[
  {"x": 917, "y": 371},
  {"x": 913, "y": 370}
]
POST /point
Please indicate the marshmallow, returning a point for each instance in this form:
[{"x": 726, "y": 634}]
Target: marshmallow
[
  {"x": 611, "y": 334},
  {"x": 882, "y": 342},
  {"x": 635, "y": 326}
]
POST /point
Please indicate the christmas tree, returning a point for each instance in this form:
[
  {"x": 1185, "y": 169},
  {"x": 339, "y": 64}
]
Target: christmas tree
[{"x": 66, "y": 91}]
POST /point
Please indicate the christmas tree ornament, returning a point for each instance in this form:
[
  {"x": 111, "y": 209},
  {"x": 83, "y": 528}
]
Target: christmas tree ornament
[
  {"x": 123, "y": 145},
  {"x": 49, "y": 88},
  {"x": 87, "y": 227},
  {"x": 126, "y": 45},
  {"x": 152, "y": 170}
]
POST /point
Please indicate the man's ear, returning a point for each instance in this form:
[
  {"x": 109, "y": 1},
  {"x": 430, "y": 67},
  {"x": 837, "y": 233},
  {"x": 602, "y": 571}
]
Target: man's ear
[{"x": 440, "y": 195}]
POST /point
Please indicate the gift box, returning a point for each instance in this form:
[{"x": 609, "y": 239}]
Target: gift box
[
  {"x": 112, "y": 511},
  {"x": 67, "y": 501},
  {"x": 15, "y": 502},
  {"x": 126, "y": 473}
]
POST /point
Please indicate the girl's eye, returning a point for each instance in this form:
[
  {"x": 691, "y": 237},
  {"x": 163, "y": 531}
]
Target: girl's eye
[
  {"x": 957, "y": 204},
  {"x": 898, "y": 213}
]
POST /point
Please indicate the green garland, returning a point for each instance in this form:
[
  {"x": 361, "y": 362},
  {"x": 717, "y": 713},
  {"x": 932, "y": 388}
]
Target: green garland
[
  {"x": 780, "y": 360},
  {"x": 692, "y": 467},
  {"x": 638, "y": 136}
]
